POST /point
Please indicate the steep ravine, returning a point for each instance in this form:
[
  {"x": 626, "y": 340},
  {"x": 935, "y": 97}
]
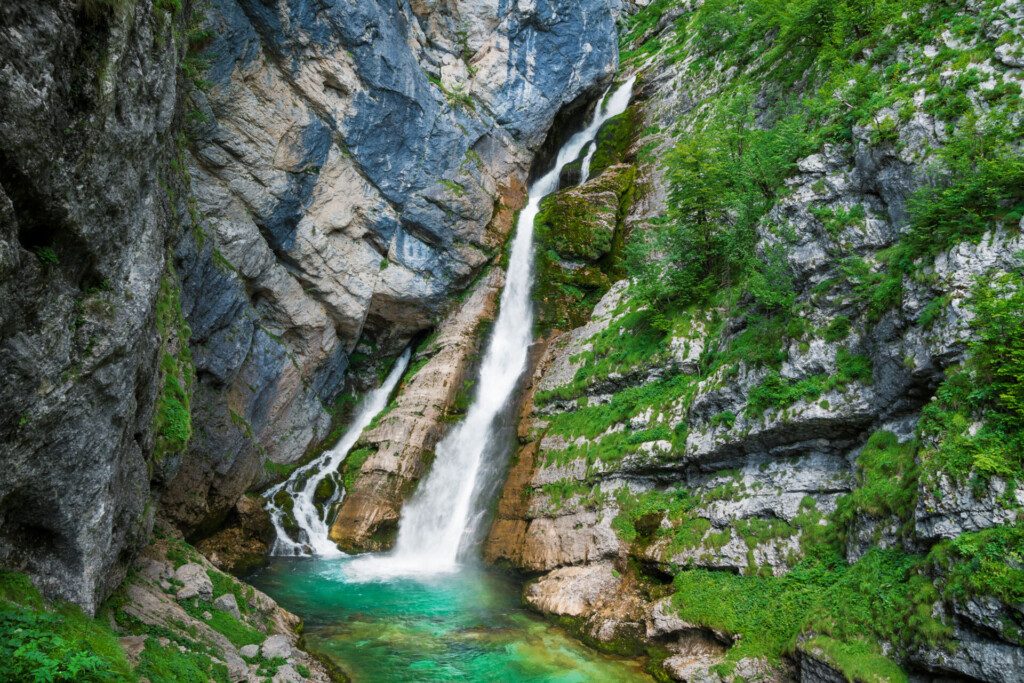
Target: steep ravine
[
  {"x": 217, "y": 219},
  {"x": 772, "y": 428}
]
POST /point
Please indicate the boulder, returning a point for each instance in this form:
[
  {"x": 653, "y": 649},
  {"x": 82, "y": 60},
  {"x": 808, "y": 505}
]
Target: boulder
[
  {"x": 228, "y": 603},
  {"x": 196, "y": 582}
]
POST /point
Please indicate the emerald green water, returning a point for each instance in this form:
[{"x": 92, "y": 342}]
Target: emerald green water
[{"x": 467, "y": 627}]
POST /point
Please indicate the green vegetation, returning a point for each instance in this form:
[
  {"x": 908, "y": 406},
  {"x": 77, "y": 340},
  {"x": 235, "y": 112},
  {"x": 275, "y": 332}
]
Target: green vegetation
[
  {"x": 975, "y": 427},
  {"x": 775, "y": 392},
  {"x": 47, "y": 256},
  {"x": 43, "y": 642},
  {"x": 167, "y": 663},
  {"x": 613, "y": 141},
  {"x": 173, "y": 417},
  {"x": 353, "y": 465},
  {"x": 856, "y": 659},
  {"x": 579, "y": 235},
  {"x": 988, "y": 563},
  {"x": 883, "y": 595},
  {"x": 887, "y": 479}
]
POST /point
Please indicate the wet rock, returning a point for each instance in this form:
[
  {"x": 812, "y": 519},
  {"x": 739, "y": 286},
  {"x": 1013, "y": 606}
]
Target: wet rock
[
  {"x": 133, "y": 647},
  {"x": 572, "y": 591},
  {"x": 975, "y": 656},
  {"x": 404, "y": 438},
  {"x": 377, "y": 179},
  {"x": 244, "y": 541},
  {"x": 85, "y": 137}
]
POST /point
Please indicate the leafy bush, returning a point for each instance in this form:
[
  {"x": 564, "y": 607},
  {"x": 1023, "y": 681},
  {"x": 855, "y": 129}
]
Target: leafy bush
[
  {"x": 883, "y": 594},
  {"x": 886, "y": 482},
  {"x": 988, "y": 389}
]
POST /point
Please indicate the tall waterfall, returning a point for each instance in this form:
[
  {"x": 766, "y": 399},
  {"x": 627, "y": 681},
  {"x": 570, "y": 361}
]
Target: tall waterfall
[
  {"x": 436, "y": 525},
  {"x": 314, "y": 525}
]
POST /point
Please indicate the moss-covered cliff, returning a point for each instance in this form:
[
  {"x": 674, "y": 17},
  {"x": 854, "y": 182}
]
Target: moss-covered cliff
[{"x": 788, "y": 441}]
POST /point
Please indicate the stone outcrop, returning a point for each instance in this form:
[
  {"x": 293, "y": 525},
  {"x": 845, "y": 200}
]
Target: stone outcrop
[
  {"x": 402, "y": 441},
  {"x": 206, "y": 213},
  {"x": 179, "y": 603}
]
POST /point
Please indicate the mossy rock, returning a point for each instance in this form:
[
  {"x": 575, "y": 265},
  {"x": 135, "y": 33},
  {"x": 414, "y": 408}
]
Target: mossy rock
[
  {"x": 283, "y": 500},
  {"x": 577, "y": 225},
  {"x": 324, "y": 490},
  {"x": 579, "y": 234},
  {"x": 614, "y": 139}
]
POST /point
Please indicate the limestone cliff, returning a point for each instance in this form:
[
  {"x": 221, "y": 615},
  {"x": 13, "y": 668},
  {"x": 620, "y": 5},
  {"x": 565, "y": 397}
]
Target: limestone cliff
[
  {"x": 356, "y": 166},
  {"x": 209, "y": 212},
  {"x": 88, "y": 119}
]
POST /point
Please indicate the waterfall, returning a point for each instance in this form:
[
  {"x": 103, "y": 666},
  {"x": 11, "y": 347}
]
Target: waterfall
[
  {"x": 437, "y": 523},
  {"x": 301, "y": 486},
  {"x": 585, "y": 166}
]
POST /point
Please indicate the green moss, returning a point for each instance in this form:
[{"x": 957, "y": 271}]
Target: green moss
[
  {"x": 324, "y": 490},
  {"x": 837, "y": 220},
  {"x": 579, "y": 235},
  {"x": 224, "y": 584},
  {"x": 776, "y": 392},
  {"x": 353, "y": 465},
  {"x": 988, "y": 563},
  {"x": 838, "y": 329},
  {"x": 167, "y": 663},
  {"x": 236, "y": 631},
  {"x": 975, "y": 427},
  {"x": 857, "y": 659},
  {"x": 887, "y": 477},
  {"x": 172, "y": 422},
  {"x": 614, "y": 139}
]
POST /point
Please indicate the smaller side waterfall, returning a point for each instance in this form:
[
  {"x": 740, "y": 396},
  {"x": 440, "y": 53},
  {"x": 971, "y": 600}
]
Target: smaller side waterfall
[{"x": 301, "y": 486}]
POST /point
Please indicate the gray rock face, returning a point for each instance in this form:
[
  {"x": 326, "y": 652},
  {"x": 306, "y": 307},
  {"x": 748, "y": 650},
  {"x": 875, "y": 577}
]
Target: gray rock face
[
  {"x": 195, "y": 582},
  {"x": 277, "y": 646},
  {"x": 85, "y": 142},
  {"x": 351, "y": 179},
  {"x": 228, "y": 603}
]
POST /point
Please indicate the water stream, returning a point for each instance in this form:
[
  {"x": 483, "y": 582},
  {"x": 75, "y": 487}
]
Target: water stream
[
  {"x": 313, "y": 520},
  {"x": 436, "y": 530}
]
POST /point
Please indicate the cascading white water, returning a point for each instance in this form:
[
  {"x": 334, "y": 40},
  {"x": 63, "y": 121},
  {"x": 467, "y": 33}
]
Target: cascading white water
[
  {"x": 585, "y": 166},
  {"x": 313, "y": 525},
  {"x": 433, "y": 530}
]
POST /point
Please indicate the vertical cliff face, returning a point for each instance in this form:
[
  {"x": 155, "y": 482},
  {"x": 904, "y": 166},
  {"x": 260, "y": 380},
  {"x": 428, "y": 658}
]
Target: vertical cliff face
[
  {"x": 86, "y": 138},
  {"x": 357, "y": 164},
  {"x": 775, "y": 442}
]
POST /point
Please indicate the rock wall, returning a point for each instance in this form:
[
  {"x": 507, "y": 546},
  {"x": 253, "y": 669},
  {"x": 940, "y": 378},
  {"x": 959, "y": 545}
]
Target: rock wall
[
  {"x": 640, "y": 463},
  {"x": 87, "y": 125},
  {"x": 357, "y": 165},
  {"x": 207, "y": 217}
]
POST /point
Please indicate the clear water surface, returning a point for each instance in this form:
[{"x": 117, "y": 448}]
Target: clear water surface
[{"x": 466, "y": 626}]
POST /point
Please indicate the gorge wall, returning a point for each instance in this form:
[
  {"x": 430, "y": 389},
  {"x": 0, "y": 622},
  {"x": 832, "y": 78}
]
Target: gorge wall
[
  {"x": 212, "y": 212},
  {"x": 764, "y": 453}
]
